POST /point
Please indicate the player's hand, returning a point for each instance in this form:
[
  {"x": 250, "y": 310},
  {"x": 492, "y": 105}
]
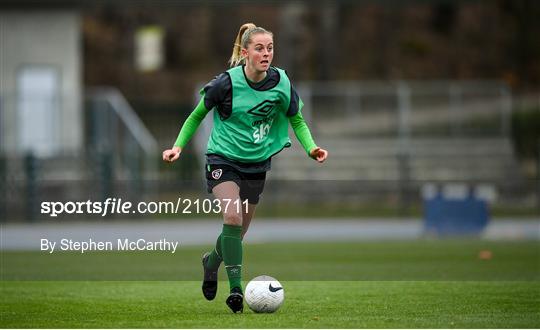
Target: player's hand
[
  {"x": 319, "y": 154},
  {"x": 170, "y": 155}
]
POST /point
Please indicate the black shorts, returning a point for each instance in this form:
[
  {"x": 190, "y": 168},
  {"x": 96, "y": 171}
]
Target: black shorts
[{"x": 251, "y": 184}]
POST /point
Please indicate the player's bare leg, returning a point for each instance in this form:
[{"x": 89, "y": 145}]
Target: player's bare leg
[{"x": 247, "y": 215}]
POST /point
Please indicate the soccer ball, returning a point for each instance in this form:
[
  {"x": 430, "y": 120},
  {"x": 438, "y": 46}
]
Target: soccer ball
[{"x": 264, "y": 294}]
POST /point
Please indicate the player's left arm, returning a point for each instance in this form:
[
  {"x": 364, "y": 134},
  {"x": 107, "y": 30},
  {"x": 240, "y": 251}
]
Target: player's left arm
[
  {"x": 303, "y": 135},
  {"x": 301, "y": 130}
]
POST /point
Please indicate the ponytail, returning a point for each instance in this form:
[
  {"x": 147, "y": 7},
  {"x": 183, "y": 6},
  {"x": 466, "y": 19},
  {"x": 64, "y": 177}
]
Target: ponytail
[{"x": 242, "y": 41}]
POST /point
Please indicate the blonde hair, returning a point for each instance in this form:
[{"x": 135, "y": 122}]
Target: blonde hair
[{"x": 243, "y": 38}]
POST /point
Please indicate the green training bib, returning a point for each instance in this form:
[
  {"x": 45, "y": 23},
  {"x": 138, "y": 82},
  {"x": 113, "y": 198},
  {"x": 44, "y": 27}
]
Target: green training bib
[{"x": 258, "y": 125}]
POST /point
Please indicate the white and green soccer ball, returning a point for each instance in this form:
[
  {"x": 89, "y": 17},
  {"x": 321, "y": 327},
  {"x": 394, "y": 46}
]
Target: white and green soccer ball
[{"x": 264, "y": 294}]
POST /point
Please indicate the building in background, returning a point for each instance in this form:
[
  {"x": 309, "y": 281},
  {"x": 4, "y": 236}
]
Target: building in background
[{"x": 41, "y": 77}]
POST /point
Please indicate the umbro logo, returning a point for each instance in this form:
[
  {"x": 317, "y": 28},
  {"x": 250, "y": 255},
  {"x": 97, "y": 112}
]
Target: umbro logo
[
  {"x": 263, "y": 109},
  {"x": 272, "y": 289}
]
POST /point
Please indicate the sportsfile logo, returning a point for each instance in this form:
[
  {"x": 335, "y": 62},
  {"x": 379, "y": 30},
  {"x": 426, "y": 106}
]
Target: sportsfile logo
[{"x": 119, "y": 206}]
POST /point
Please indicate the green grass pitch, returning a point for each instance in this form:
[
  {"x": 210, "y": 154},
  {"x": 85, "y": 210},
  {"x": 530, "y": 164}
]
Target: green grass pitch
[{"x": 416, "y": 284}]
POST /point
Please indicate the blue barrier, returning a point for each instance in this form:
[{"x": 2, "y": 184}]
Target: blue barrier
[{"x": 445, "y": 216}]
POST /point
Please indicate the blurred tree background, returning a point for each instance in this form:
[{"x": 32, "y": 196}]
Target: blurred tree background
[{"x": 330, "y": 40}]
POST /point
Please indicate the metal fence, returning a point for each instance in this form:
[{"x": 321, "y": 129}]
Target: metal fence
[
  {"x": 408, "y": 108},
  {"x": 387, "y": 141},
  {"x": 119, "y": 158},
  {"x": 114, "y": 130}
]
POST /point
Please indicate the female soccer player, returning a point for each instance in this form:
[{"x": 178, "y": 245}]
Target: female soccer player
[{"x": 253, "y": 103}]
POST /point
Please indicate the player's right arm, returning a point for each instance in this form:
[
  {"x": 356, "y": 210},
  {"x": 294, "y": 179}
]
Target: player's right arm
[{"x": 186, "y": 132}]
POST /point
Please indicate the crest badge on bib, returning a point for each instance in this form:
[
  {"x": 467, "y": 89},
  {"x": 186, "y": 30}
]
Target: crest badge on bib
[{"x": 216, "y": 174}]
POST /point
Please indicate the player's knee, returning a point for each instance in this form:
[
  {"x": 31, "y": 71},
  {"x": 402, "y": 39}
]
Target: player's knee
[{"x": 232, "y": 218}]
